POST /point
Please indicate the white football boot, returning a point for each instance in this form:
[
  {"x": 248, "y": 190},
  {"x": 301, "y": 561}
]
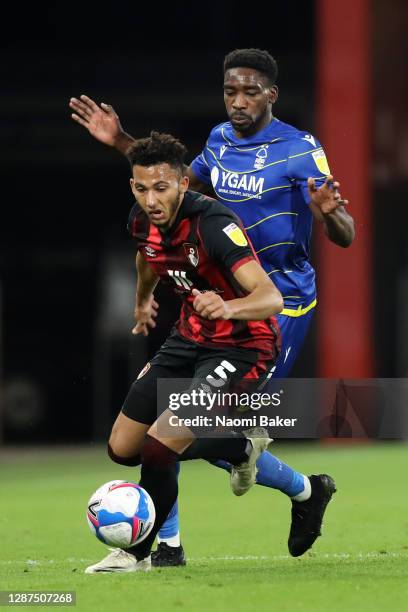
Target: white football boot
[
  {"x": 120, "y": 561},
  {"x": 243, "y": 476}
]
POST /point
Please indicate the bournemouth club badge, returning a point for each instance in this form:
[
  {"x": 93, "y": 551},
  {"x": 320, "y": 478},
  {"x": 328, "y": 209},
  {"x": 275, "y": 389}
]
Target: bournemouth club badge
[{"x": 191, "y": 252}]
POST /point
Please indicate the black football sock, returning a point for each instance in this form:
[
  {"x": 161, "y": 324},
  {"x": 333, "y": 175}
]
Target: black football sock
[
  {"x": 159, "y": 478},
  {"x": 233, "y": 449},
  {"x": 159, "y": 475}
]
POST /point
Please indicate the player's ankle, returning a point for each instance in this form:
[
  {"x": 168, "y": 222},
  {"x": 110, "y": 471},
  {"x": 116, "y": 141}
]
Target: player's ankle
[
  {"x": 173, "y": 541},
  {"x": 306, "y": 493}
]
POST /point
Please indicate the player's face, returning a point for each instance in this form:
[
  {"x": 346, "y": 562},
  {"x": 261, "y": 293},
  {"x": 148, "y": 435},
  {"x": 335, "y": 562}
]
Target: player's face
[
  {"x": 248, "y": 99},
  {"x": 159, "y": 191}
]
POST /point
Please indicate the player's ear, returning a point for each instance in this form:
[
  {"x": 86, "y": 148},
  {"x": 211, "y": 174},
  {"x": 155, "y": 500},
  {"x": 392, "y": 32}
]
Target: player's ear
[
  {"x": 184, "y": 183},
  {"x": 132, "y": 185},
  {"x": 273, "y": 94}
]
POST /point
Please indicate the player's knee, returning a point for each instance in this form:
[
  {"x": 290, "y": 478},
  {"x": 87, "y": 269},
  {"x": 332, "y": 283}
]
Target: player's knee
[
  {"x": 118, "y": 458},
  {"x": 154, "y": 454}
]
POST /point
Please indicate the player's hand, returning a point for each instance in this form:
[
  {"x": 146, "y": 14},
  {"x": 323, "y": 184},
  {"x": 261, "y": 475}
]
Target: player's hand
[
  {"x": 145, "y": 315},
  {"x": 101, "y": 121},
  {"x": 210, "y": 305},
  {"x": 327, "y": 197}
]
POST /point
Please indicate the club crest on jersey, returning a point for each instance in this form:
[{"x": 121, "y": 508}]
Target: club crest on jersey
[
  {"x": 144, "y": 370},
  {"x": 150, "y": 252},
  {"x": 191, "y": 252},
  {"x": 321, "y": 161},
  {"x": 235, "y": 234},
  {"x": 260, "y": 157}
]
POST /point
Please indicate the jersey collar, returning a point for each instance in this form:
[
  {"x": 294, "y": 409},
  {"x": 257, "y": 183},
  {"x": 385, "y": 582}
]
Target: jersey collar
[{"x": 268, "y": 133}]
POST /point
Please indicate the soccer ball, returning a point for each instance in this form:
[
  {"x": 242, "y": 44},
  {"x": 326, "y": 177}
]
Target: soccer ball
[{"x": 121, "y": 513}]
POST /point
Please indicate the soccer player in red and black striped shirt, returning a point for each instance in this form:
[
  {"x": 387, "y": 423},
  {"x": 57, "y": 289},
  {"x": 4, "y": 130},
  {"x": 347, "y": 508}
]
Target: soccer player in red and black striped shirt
[
  {"x": 226, "y": 326},
  {"x": 199, "y": 249}
]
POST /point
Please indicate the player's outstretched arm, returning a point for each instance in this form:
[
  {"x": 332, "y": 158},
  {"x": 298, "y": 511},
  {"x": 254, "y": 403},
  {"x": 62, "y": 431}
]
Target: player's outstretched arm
[
  {"x": 146, "y": 306},
  {"x": 101, "y": 122},
  {"x": 262, "y": 301},
  {"x": 328, "y": 207}
]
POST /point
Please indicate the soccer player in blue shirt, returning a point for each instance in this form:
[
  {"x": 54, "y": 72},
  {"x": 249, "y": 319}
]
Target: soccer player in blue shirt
[{"x": 276, "y": 178}]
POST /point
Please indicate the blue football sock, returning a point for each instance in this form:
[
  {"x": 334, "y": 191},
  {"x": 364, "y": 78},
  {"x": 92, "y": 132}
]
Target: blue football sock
[
  {"x": 171, "y": 526},
  {"x": 273, "y": 473}
]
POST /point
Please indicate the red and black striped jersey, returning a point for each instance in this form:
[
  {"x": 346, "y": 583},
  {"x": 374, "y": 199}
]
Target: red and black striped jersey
[{"x": 202, "y": 250}]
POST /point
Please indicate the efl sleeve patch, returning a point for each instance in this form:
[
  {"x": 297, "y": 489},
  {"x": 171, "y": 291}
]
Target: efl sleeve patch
[
  {"x": 235, "y": 234},
  {"x": 321, "y": 161}
]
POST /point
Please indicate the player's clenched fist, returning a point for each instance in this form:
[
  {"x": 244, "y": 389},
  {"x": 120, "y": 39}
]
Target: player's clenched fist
[{"x": 210, "y": 305}]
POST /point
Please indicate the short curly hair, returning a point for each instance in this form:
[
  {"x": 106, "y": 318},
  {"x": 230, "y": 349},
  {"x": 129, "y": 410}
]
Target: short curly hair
[
  {"x": 257, "y": 59},
  {"x": 157, "y": 148}
]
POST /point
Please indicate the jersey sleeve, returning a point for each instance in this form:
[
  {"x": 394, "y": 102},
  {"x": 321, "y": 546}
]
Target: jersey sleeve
[
  {"x": 201, "y": 168},
  {"x": 307, "y": 159},
  {"x": 225, "y": 241}
]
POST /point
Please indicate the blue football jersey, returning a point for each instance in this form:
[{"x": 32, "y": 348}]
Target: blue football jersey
[{"x": 263, "y": 179}]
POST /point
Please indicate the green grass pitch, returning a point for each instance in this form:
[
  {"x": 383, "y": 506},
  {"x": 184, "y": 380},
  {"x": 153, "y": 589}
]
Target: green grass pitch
[{"x": 236, "y": 547}]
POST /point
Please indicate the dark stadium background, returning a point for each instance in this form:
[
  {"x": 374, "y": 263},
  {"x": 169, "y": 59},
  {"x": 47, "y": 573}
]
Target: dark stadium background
[{"x": 66, "y": 275}]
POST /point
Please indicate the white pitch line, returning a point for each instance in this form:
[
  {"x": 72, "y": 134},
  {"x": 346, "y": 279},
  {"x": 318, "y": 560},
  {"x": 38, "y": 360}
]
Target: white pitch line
[{"x": 315, "y": 556}]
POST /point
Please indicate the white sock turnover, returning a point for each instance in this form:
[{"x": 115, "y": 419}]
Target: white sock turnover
[{"x": 306, "y": 493}]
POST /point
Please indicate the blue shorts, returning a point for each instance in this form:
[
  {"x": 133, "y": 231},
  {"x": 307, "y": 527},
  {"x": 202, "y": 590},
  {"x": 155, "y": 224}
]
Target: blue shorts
[{"x": 293, "y": 329}]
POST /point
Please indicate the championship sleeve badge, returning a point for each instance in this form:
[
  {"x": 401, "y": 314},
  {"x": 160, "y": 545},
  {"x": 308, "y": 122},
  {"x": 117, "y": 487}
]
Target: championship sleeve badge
[
  {"x": 235, "y": 234},
  {"x": 321, "y": 161}
]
